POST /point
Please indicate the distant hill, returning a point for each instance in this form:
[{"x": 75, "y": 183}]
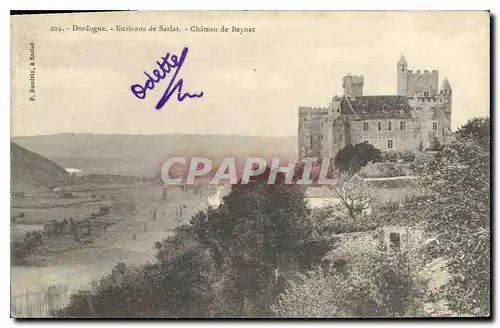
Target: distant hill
[
  {"x": 31, "y": 169},
  {"x": 145, "y": 154}
]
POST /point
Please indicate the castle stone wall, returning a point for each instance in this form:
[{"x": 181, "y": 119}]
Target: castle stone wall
[{"x": 418, "y": 82}]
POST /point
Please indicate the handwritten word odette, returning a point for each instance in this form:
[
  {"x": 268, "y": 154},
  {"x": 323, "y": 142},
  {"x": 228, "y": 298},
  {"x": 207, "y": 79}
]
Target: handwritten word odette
[{"x": 169, "y": 64}]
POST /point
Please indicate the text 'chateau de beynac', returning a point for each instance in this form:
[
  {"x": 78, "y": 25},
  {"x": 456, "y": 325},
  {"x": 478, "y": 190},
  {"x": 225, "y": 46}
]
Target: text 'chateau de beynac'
[{"x": 418, "y": 115}]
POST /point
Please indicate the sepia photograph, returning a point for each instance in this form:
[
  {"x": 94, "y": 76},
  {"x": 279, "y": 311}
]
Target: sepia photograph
[{"x": 250, "y": 164}]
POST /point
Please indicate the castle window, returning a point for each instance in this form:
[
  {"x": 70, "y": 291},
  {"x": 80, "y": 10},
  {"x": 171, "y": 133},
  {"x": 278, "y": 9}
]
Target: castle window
[
  {"x": 402, "y": 125},
  {"x": 379, "y": 126},
  {"x": 395, "y": 240},
  {"x": 390, "y": 126},
  {"x": 426, "y": 93},
  {"x": 434, "y": 126},
  {"x": 390, "y": 144},
  {"x": 365, "y": 126},
  {"x": 366, "y": 142}
]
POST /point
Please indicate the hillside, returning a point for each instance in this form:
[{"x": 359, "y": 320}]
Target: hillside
[
  {"x": 145, "y": 154},
  {"x": 31, "y": 169}
]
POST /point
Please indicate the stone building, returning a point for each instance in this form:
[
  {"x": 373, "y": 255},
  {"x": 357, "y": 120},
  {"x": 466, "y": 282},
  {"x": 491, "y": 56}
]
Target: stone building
[{"x": 417, "y": 115}]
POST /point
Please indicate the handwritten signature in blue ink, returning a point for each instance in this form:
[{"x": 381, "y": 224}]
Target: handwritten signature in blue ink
[{"x": 169, "y": 62}]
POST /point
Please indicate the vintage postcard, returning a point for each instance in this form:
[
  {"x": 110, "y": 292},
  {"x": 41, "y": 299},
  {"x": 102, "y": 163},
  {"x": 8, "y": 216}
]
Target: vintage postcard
[{"x": 262, "y": 164}]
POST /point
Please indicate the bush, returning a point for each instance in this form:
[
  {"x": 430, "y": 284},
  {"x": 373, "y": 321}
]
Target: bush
[
  {"x": 178, "y": 285},
  {"x": 352, "y": 158},
  {"x": 381, "y": 285},
  {"x": 66, "y": 195},
  {"x": 104, "y": 210},
  {"x": 406, "y": 156},
  {"x": 334, "y": 221}
]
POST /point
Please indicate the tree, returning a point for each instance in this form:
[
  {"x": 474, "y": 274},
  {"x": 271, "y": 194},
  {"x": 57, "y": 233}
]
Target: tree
[
  {"x": 352, "y": 158},
  {"x": 258, "y": 233},
  {"x": 351, "y": 195},
  {"x": 435, "y": 145},
  {"x": 457, "y": 210},
  {"x": 477, "y": 129}
]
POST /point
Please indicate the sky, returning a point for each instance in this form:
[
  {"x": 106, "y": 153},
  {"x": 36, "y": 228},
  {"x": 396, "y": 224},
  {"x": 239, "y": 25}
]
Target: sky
[{"x": 252, "y": 83}]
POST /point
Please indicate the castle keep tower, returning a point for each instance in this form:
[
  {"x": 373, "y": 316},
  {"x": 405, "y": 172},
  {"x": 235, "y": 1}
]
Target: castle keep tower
[
  {"x": 416, "y": 83},
  {"x": 353, "y": 85},
  {"x": 445, "y": 94},
  {"x": 402, "y": 76}
]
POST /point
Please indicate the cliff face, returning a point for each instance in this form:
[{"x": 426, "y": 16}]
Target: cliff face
[{"x": 29, "y": 168}]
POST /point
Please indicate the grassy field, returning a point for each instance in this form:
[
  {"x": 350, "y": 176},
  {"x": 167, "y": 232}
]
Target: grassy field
[{"x": 129, "y": 237}]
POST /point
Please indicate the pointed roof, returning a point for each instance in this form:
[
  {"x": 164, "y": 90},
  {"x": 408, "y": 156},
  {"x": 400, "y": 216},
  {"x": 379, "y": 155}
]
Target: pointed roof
[
  {"x": 446, "y": 85},
  {"x": 402, "y": 60}
]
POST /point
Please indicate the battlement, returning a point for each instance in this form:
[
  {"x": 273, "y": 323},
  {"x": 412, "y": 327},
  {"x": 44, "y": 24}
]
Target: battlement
[
  {"x": 312, "y": 110},
  {"x": 352, "y": 79},
  {"x": 425, "y": 73}
]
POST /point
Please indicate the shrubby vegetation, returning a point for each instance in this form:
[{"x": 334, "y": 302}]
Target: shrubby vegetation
[
  {"x": 105, "y": 178},
  {"x": 262, "y": 253},
  {"x": 405, "y": 156},
  {"x": 336, "y": 220},
  {"x": 227, "y": 262},
  {"x": 380, "y": 284},
  {"x": 352, "y": 158},
  {"x": 458, "y": 212}
]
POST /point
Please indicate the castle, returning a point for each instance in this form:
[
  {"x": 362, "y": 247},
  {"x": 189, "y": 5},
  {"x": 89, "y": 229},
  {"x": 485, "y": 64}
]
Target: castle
[{"x": 414, "y": 118}]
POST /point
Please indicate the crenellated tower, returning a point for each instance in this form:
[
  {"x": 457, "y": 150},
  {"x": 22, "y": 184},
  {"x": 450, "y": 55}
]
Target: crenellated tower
[
  {"x": 353, "y": 85},
  {"x": 416, "y": 83}
]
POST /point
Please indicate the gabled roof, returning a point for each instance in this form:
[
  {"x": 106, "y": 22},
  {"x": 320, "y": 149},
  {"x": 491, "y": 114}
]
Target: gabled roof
[{"x": 375, "y": 105}]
